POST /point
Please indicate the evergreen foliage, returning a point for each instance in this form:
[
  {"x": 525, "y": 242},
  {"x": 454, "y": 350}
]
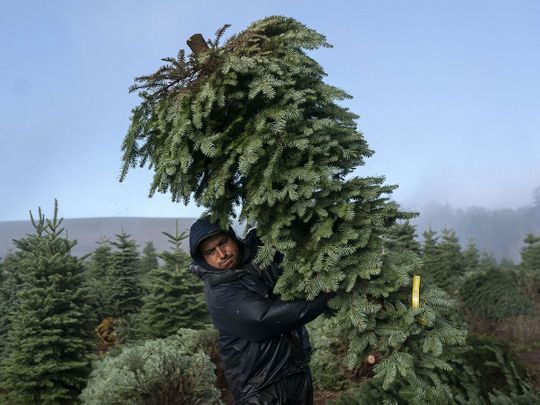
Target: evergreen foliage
[
  {"x": 169, "y": 371},
  {"x": 402, "y": 236},
  {"x": 9, "y": 284},
  {"x": 327, "y": 362},
  {"x": 487, "y": 262},
  {"x": 430, "y": 253},
  {"x": 252, "y": 125},
  {"x": 450, "y": 267},
  {"x": 530, "y": 263},
  {"x": 471, "y": 259},
  {"x": 48, "y": 343},
  {"x": 149, "y": 261},
  {"x": 97, "y": 277},
  {"x": 123, "y": 288},
  {"x": 175, "y": 297},
  {"x": 489, "y": 374},
  {"x": 485, "y": 374},
  {"x": 495, "y": 294},
  {"x": 508, "y": 265},
  {"x": 4, "y": 322}
]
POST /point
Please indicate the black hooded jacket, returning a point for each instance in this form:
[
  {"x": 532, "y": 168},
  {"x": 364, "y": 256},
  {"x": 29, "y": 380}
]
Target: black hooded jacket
[{"x": 262, "y": 338}]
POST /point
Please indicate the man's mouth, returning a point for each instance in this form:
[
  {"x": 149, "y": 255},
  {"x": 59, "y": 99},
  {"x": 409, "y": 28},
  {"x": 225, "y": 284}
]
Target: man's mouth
[{"x": 227, "y": 260}]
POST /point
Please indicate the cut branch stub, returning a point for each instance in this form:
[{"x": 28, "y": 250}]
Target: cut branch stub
[{"x": 197, "y": 44}]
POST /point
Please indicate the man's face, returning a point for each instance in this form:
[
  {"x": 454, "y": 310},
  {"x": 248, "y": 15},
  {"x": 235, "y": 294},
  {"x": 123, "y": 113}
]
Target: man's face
[{"x": 220, "y": 251}]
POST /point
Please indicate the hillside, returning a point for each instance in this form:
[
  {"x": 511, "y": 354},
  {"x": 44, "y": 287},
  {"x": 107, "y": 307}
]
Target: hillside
[
  {"x": 88, "y": 231},
  {"x": 499, "y": 232}
]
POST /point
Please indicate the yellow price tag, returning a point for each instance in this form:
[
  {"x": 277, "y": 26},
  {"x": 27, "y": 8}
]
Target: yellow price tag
[{"x": 416, "y": 292}]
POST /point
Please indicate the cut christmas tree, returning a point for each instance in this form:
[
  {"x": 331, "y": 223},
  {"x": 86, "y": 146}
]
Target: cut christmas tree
[{"x": 251, "y": 127}]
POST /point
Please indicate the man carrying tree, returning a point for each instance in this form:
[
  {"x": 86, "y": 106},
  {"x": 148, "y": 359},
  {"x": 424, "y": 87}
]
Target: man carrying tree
[
  {"x": 263, "y": 342},
  {"x": 251, "y": 128}
]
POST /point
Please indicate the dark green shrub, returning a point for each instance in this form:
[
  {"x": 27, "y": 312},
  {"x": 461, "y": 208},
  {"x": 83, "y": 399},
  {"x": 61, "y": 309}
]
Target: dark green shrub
[
  {"x": 495, "y": 294},
  {"x": 488, "y": 373}
]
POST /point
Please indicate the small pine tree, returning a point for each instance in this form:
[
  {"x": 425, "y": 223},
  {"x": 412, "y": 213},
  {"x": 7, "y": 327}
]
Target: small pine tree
[
  {"x": 430, "y": 253},
  {"x": 443, "y": 261},
  {"x": 4, "y": 308},
  {"x": 48, "y": 343},
  {"x": 149, "y": 262},
  {"x": 9, "y": 285},
  {"x": 123, "y": 288},
  {"x": 175, "y": 297},
  {"x": 530, "y": 263},
  {"x": 487, "y": 262},
  {"x": 508, "y": 265},
  {"x": 97, "y": 276},
  {"x": 149, "y": 259},
  {"x": 3, "y": 303},
  {"x": 495, "y": 294},
  {"x": 471, "y": 258},
  {"x": 402, "y": 236}
]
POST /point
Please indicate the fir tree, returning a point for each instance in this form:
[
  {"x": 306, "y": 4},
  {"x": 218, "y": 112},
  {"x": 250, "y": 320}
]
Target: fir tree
[
  {"x": 48, "y": 343},
  {"x": 471, "y": 258},
  {"x": 9, "y": 285},
  {"x": 252, "y": 126},
  {"x": 97, "y": 278},
  {"x": 487, "y": 262},
  {"x": 4, "y": 307},
  {"x": 530, "y": 263},
  {"x": 123, "y": 288},
  {"x": 149, "y": 262},
  {"x": 443, "y": 261},
  {"x": 402, "y": 236},
  {"x": 508, "y": 265},
  {"x": 495, "y": 294},
  {"x": 175, "y": 297},
  {"x": 430, "y": 253},
  {"x": 149, "y": 259}
]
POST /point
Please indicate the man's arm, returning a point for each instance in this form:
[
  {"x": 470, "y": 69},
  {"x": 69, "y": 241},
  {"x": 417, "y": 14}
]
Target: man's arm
[{"x": 244, "y": 313}]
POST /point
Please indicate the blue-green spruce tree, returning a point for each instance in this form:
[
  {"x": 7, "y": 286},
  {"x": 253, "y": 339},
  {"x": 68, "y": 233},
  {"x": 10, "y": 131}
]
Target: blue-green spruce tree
[
  {"x": 96, "y": 280},
  {"x": 124, "y": 285},
  {"x": 48, "y": 343},
  {"x": 175, "y": 297}
]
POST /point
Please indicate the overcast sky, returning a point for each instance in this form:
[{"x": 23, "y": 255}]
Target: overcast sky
[{"x": 448, "y": 94}]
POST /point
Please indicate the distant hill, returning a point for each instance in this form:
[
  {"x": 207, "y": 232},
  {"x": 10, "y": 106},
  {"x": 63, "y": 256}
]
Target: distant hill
[
  {"x": 500, "y": 232},
  {"x": 88, "y": 231}
]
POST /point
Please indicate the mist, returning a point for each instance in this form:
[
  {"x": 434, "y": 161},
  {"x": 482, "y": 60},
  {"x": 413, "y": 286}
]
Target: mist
[{"x": 496, "y": 231}]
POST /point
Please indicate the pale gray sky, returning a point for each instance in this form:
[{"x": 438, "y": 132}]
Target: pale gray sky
[{"x": 448, "y": 94}]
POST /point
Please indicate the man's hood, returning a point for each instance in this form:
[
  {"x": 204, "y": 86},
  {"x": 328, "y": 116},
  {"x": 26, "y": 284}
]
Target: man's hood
[{"x": 203, "y": 229}]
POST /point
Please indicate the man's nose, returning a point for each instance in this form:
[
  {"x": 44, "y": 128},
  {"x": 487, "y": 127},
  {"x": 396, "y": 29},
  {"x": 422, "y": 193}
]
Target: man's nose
[{"x": 220, "y": 251}]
